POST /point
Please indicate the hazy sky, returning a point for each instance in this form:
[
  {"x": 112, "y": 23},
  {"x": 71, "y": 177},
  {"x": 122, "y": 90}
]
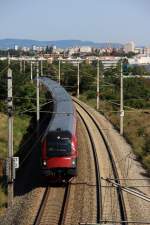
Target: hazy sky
[{"x": 95, "y": 20}]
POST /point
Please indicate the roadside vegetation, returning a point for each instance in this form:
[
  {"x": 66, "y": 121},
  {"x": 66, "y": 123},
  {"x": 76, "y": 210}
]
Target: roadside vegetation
[
  {"x": 21, "y": 125},
  {"x": 24, "y": 101}
]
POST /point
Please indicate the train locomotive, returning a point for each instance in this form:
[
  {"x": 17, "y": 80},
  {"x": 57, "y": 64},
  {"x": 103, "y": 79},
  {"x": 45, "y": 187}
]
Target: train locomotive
[{"x": 59, "y": 143}]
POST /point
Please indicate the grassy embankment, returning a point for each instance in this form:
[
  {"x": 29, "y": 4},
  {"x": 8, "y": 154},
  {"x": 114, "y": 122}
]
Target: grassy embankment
[
  {"x": 20, "y": 126},
  {"x": 136, "y": 129}
]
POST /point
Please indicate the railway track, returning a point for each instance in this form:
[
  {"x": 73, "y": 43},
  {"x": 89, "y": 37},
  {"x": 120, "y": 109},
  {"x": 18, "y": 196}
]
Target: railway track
[
  {"x": 52, "y": 210},
  {"x": 122, "y": 209},
  {"x": 97, "y": 173}
]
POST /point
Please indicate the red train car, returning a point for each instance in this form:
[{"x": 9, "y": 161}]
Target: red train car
[{"x": 59, "y": 144}]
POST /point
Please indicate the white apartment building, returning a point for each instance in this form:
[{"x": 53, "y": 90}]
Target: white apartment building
[
  {"x": 109, "y": 61},
  {"x": 129, "y": 47},
  {"x": 140, "y": 60},
  {"x": 73, "y": 50},
  {"x": 138, "y": 50},
  {"x": 85, "y": 49}
]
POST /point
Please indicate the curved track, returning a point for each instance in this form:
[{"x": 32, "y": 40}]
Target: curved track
[
  {"x": 97, "y": 173},
  {"x": 123, "y": 214}
]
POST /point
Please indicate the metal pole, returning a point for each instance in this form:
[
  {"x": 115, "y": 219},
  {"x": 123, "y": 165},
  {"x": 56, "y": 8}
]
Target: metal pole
[
  {"x": 24, "y": 66},
  {"x": 121, "y": 101},
  {"x": 41, "y": 67},
  {"x": 97, "y": 84},
  {"x": 78, "y": 80},
  {"x": 59, "y": 72},
  {"x": 20, "y": 66},
  {"x": 31, "y": 71},
  {"x": 8, "y": 59},
  {"x": 10, "y": 139},
  {"x": 37, "y": 94}
]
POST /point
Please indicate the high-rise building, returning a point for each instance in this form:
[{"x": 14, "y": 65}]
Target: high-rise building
[
  {"x": 129, "y": 47},
  {"x": 146, "y": 51}
]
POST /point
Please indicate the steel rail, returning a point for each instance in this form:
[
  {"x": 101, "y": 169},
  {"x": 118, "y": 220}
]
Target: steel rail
[
  {"x": 97, "y": 171},
  {"x": 64, "y": 205},
  {"x": 42, "y": 207},
  {"x": 123, "y": 212}
]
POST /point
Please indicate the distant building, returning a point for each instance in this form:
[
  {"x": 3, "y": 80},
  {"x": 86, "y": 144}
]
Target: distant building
[
  {"x": 129, "y": 47},
  {"x": 72, "y": 50},
  {"x": 139, "y": 60},
  {"x": 85, "y": 49},
  {"x": 56, "y": 50},
  {"x": 16, "y": 47},
  {"x": 109, "y": 61},
  {"x": 54, "y": 47},
  {"x": 138, "y": 50},
  {"x": 25, "y": 49},
  {"x": 38, "y": 48},
  {"x": 146, "y": 51},
  {"x": 34, "y": 47}
]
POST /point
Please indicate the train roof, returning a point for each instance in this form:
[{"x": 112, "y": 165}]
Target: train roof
[
  {"x": 63, "y": 111},
  {"x": 57, "y": 91}
]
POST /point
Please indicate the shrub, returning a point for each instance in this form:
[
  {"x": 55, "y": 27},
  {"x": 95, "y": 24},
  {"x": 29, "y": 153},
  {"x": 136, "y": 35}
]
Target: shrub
[{"x": 146, "y": 162}]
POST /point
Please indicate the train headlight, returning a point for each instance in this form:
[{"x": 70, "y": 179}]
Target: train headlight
[
  {"x": 44, "y": 163},
  {"x": 73, "y": 162}
]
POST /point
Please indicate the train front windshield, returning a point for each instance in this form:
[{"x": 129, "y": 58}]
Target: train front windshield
[{"x": 59, "y": 147}]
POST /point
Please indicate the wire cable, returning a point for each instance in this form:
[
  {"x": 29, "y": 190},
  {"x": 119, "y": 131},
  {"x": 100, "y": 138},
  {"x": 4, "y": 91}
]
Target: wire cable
[{"x": 32, "y": 110}]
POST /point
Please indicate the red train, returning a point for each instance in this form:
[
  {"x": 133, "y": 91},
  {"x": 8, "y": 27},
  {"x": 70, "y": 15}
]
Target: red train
[{"x": 59, "y": 144}]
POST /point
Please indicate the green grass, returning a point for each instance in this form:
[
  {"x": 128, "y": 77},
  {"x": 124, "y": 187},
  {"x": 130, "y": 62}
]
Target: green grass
[{"x": 20, "y": 127}]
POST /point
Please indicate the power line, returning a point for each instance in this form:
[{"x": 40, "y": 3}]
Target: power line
[
  {"x": 23, "y": 98},
  {"x": 31, "y": 110}
]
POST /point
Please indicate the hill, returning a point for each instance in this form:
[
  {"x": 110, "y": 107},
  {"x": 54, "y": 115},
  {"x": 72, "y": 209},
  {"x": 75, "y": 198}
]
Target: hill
[{"x": 10, "y": 43}]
